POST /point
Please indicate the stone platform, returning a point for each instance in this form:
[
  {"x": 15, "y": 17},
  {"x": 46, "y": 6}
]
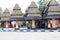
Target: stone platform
[{"x": 28, "y": 30}]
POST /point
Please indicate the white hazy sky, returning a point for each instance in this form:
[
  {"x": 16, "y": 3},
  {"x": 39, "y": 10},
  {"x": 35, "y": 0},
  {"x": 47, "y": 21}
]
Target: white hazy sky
[{"x": 11, "y": 3}]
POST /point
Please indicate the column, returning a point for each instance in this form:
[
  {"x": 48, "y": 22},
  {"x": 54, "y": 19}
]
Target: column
[
  {"x": 29, "y": 25},
  {"x": 17, "y": 24},
  {"x": 6, "y": 24},
  {"x": 59, "y": 23},
  {"x": 36, "y": 22},
  {"x": 2, "y": 23},
  {"x": 53, "y": 23},
  {"x": 11, "y": 26},
  {"x": 49, "y": 25},
  {"x": 33, "y": 23}
]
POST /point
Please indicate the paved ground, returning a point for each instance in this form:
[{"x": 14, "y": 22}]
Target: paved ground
[{"x": 29, "y": 36}]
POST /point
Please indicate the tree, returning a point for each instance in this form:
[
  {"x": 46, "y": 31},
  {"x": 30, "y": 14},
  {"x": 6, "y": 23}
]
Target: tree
[{"x": 42, "y": 4}]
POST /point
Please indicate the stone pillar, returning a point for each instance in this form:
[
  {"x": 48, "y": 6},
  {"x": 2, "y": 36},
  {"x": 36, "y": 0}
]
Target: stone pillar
[
  {"x": 29, "y": 25},
  {"x": 33, "y": 24},
  {"x": 53, "y": 23},
  {"x": 17, "y": 25},
  {"x": 11, "y": 26},
  {"x": 2, "y": 23},
  {"x": 49, "y": 25},
  {"x": 6, "y": 24},
  {"x": 59, "y": 23},
  {"x": 36, "y": 23}
]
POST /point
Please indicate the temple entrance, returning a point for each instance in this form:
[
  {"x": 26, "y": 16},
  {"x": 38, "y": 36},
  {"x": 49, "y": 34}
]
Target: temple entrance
[
  {"x": 7, "y": 25},
  {"x": 40, "y": 24},
  {"x": 53, "y": 23}
]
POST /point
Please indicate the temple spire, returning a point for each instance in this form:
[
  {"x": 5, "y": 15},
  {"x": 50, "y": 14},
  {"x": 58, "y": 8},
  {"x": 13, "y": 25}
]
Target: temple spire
[
  {"x": 33, "y": 4},
  {"x": 6, "y": 15},
  {"x": 16, "y": 7},
  {"x": 17, "y": 12},
  {"x": 6, "y": 11},
  {"x": 33, "y": 10}
]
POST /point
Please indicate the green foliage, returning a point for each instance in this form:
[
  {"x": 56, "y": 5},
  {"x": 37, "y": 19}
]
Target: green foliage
[
  {"x": 24, "y": 23},
  {"x": 42, "y": 4},
  {"x": 20, "y": 25}
]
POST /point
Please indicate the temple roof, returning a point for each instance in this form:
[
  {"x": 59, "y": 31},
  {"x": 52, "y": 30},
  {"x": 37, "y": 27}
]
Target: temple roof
[
  {"x": 33, "y": 12},
  {"x": 57, "y": 16},
  {"x": 17, "y": 13},
  {"x": 6, "y": 11},
  {"x": 33, "y": 8},
  {"x": 53, "y": 2},
  {"x": 33, "y": 4},
  {"x": 53, "y": 6},
  {"x": 32, "y": 17},
  {"x": 16, "y": 7},
  {"x": 54, "y": 9},
  {"x": 5, "y": 15},
  {"x": 19, "y": 19}
]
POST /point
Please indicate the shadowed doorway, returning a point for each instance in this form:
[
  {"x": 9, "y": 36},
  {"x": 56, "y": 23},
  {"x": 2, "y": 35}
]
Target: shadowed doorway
[{"x": 40, "y": 24}]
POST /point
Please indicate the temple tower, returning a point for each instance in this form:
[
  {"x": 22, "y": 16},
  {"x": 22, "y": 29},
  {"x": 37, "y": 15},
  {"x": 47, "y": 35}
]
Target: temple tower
[
  {"x": 6, "y": 17},
  {"x": 17, "y": 16},
  {"x": 53, "y": 14},
  {"x": 33, "y": 14}
]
